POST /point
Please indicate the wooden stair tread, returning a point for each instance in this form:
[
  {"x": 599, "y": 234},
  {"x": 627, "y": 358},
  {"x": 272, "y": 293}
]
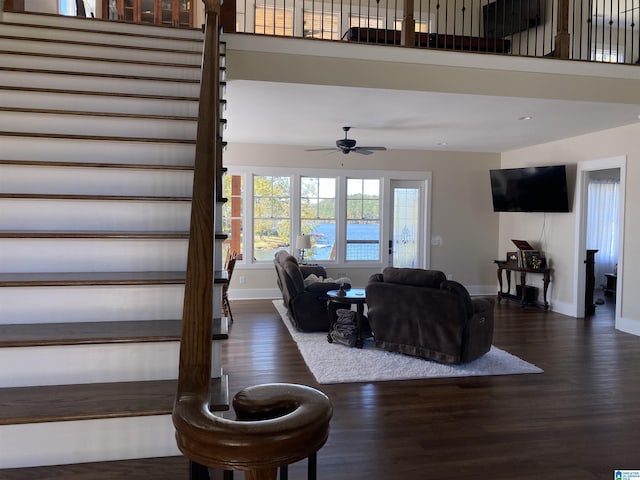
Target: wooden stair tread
[
  {"x": 83, "y": 333},
  {"x": 158, "y": 468},
  {"x": 62, "y": 234},
  {"x": 59, "y": 41},
  {"x": 95, "y": 234},
  {"x": 56, "y": 403},
  {"x": 134, "y": 166},
  {"x": 102, "y": 59},
  {"x": 107, "y": 138},
  {"x": 44, "y": 279},
  {"x": 65, "y": 196},
  {"x": 98, "y": 93},
  {"x": 96, "y": 74},
  {"x": 84, "y": 113},
  {"x": 90, "y": 278}
]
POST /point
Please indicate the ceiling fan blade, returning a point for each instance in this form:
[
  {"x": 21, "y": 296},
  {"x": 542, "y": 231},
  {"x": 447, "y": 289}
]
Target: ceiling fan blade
[
  {"x": 362, "y": 151},
  {"x": 379, "y": 149},
  {"x": 320, "y": 149}
]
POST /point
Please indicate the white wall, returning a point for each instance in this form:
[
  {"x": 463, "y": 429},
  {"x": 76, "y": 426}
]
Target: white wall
[
  {"x": 561, "y": 228},
  {"x": 461, "y": 210},
  {"x": 41, "y": 6}
]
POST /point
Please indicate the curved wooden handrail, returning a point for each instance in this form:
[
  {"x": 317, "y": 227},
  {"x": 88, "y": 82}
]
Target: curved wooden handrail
[{"x": 277, "y": 424}]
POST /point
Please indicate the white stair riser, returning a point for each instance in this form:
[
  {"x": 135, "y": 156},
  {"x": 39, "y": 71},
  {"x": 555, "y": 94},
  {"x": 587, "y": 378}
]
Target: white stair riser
[
  {"x": 106, "y": 84},
  {"x": 73, "y": 364},
  {"x": 97, "y": 103},
  {"x": 95, "y": 150},
  {"x": 88, "y": 215},
  {"x": 34, "y": 122},
  {"x": 106, "y": 38},
  {"x": 94, "y": 181},
  {"x": 102, "y": 26},
  {"x": 62, "y": 304},
  {"x": 99, "y": 67},
  {"x": 107, "y": 303},
  {"x": 105, "y": 52},
  {"x": 92, "y": 255},
  {"x": 56, "y": 443},
  {"x": 98, "y": 363}
]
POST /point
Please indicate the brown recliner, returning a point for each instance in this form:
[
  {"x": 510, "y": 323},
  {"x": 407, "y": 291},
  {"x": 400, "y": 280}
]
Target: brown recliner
[
  {"x": 421, "y": 313},
  {"x": 306, "y": 305}
]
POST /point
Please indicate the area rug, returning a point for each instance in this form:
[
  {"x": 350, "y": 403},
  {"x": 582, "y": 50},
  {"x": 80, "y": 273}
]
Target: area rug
[{"x": 335, "y": 363}]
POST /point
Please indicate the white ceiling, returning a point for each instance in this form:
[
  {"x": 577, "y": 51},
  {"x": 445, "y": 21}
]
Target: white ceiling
[{"x": 313, "y": 116}]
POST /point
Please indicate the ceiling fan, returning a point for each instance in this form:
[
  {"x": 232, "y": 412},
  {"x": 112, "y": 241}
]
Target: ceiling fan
[{"x": 347, "y": 145}]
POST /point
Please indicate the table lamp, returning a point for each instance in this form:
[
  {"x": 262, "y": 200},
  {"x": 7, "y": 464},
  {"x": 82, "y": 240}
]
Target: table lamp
[{"x": 303, "y": 242}]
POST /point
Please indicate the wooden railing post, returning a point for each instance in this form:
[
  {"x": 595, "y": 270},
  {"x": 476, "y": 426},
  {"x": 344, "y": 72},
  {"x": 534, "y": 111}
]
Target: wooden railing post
[
  {"x": 228, "y": 16},
  {"x": 562, "y": 37},
  {"x": 408, "y": 35},
  {"x": 278, "y": 423}
]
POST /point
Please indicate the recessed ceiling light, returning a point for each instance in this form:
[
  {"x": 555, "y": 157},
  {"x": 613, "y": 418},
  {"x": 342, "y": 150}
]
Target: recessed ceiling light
[
  {"x": 526, "y": 117},
  {"x": 442, "y": 144}
]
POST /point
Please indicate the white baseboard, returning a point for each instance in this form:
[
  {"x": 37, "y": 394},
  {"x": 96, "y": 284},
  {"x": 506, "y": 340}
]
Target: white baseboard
[
  {"x": 254, "y": 294},
  {"x": 628, "y": 325}
]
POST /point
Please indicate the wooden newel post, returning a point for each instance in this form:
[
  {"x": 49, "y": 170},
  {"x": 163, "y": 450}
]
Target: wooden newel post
[
  {"x": 408, "y": 34},
  {"x": 562, "y": 37}
]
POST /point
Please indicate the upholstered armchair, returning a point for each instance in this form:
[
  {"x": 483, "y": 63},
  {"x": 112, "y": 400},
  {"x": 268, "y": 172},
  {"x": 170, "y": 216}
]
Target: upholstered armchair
[
  {"x": 306, "y": 304},
  {"x": 421, "y": 313}
]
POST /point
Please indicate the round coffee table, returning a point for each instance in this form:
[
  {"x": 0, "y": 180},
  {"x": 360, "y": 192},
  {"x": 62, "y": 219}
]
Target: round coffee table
[{"x": 353, "y": 296}]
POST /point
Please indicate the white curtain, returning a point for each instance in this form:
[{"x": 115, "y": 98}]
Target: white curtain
[{"x": 603, "y": 210}]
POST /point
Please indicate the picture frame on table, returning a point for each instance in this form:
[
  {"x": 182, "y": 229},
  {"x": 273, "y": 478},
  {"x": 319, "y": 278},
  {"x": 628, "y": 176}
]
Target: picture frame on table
[{"x": 534, "y": 260}]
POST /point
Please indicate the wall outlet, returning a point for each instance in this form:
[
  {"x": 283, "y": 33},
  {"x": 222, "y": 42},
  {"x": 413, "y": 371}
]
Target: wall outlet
[
  {"x": 450, "y": 276},
  {"x": 243, "y": 280}
]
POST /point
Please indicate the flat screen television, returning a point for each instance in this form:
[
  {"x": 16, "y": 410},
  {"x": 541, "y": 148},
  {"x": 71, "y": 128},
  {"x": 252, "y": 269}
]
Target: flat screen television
[
  {"x": 530, "y": 189},
  {"x": 506, "y": 17}
]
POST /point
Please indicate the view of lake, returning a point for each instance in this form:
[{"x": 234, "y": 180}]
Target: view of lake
[{"x": 324, "y": 238}]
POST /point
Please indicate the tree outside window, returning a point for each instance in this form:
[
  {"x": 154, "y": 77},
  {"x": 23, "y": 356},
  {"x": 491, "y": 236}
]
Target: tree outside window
[
  {"x": 271, "y": 216},
  {"x": 363, "y": 219},
  {"x": 318, "y": 216}
]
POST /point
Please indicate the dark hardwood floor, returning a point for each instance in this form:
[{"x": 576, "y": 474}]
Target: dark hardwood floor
[{"x": 580, "y": 419}]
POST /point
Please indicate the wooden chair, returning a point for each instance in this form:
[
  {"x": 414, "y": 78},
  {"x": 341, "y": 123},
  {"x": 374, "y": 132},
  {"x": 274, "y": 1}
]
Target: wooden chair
[{"x": 229, "y": 265}]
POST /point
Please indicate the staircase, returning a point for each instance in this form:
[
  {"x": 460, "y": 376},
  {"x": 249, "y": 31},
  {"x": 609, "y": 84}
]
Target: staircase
[{"x": 97, "y": 141}]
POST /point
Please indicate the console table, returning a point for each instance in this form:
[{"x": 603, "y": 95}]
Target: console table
[{"x": 509, "y": 267}]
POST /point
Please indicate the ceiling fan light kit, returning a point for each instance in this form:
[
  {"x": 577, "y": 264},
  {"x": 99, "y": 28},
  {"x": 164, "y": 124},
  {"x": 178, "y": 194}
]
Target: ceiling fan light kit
[{"x": 347, "y": 145}]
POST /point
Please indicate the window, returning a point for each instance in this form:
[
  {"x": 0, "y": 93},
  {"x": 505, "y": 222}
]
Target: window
[
  {"x": 420, "y": 26},
  {"x": 272, "y": 21},
  {"x": 321, "y": 25},
  {"x": 366, "y": 21},
  {"x": 349, "y": 215},
  {"x": 606, "y": 54},
  {"x": 271, "y": 216},
  {"x": 232, "y": 214},
  {"x": 363, "y": 219},
  {"x": 318, "y": 216}
]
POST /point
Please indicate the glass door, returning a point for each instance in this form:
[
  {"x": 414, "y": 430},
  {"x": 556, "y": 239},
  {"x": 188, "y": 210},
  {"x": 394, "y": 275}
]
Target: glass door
[{"x": 406, "y": 238}]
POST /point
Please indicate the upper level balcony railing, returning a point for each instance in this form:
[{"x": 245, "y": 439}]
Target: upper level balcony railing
[{"x": 588, "y": 30}]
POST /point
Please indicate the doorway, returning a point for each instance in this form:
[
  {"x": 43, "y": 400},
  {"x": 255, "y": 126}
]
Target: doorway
[{"x": 591, "y": 224}]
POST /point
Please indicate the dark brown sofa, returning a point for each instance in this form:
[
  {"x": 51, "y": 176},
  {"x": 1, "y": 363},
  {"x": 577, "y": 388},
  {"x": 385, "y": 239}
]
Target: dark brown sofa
[
  {"x": 421, "y": 313},
  {"x": 429, "y": 40},
  {"x": 306, "y": 305}
]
